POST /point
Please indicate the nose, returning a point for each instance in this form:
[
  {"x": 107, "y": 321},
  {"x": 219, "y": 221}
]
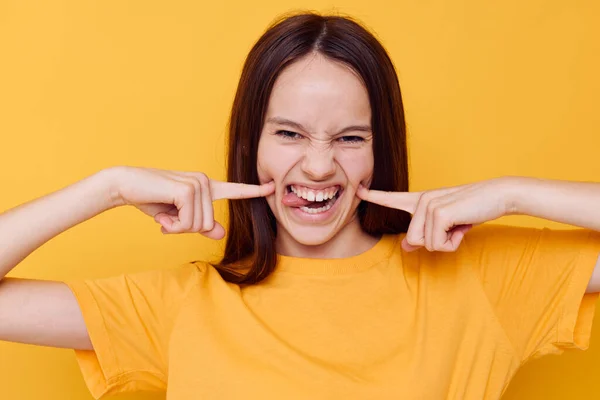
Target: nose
[{"x": 318, "y": 162}]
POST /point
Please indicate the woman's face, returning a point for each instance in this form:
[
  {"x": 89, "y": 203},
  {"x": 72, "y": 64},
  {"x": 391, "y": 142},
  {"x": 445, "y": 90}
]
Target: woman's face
[{"x": 316, "y": 144}]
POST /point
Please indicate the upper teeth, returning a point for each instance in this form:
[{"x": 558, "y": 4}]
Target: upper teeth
[{"x": 314, "y": 195}]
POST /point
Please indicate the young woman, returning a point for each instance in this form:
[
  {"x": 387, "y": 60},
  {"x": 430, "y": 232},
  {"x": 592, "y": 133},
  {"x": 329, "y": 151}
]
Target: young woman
[{"x": 327, "y": 288}]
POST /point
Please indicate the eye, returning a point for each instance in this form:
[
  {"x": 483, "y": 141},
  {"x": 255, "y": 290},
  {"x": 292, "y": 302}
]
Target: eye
[
  {"x": 351, "y": 139},
  {"x": 289, "y": 135}
]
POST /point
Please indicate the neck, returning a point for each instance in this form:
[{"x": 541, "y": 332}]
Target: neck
[{"x": 351, "y": 240}]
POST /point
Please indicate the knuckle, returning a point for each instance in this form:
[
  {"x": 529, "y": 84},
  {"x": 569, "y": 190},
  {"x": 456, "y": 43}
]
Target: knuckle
[
  {"x": 196, "y": 185},
  {"x": 187, "y": 189},
  {"x": 413, "y": 242},
  {"x": 196, "y": 226},
  {"x": 187, "y": 225},
  {"x": 426, "y": 196},
  {"x": 202, "y": 179},
  {"x": 413, "y": 239},
  {"x": 430, "y": 208},
  {"x": 177, "y": 227},
  {"x": 439, "y": 213},
  {"x": 208, "y": 225}
]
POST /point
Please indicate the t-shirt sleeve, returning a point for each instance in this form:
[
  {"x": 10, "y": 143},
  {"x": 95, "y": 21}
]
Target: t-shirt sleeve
[
  {"x": 535, "y": 280},
  {"x": 129, "y": 319}
]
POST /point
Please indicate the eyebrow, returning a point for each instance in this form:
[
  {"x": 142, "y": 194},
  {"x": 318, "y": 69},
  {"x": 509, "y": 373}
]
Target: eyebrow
[{"x": 285, "y": 121}]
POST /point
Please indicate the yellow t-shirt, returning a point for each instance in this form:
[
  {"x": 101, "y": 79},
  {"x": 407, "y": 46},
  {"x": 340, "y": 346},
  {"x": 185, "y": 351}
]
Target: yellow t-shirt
[{"x": 384, "y": 324}]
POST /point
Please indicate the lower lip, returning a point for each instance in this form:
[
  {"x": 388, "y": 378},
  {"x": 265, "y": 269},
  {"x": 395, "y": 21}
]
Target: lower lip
[{"x": 318, "y": 217}]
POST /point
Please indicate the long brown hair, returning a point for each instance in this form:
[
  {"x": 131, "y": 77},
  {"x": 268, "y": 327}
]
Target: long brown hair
[{"x": 252, "y": 227}]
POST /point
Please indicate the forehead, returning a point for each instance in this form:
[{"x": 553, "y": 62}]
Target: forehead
[{"x": 320, "y": 93}]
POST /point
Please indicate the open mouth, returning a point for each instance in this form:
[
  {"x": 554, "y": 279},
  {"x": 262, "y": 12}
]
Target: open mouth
[{"x": 314, "y": 201}]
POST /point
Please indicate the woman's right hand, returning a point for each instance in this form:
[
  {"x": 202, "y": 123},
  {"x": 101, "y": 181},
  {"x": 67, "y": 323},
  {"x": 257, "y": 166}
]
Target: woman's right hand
[
  {"x": 46, "y": 313},
  {"x": 181, "y": 202}
]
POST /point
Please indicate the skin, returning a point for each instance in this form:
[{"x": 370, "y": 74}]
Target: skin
[{"x": 322, "y": 97}]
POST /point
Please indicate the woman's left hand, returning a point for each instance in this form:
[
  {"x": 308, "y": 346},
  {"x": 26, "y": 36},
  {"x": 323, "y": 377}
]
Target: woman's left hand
[{"x": 441, "y": 217}]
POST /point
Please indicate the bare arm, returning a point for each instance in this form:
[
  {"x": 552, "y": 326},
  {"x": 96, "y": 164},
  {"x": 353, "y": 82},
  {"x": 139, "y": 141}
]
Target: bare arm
[
  {"x": 575, "y": 203},
  {"x": 442, "y": 217},
  {"x": 43, "y": 313},
  {"x": 46, "y": 312}
]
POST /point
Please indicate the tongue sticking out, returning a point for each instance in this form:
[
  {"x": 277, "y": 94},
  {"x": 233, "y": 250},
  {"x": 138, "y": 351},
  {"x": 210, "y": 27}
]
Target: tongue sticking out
[{"x": 291, "y": 200}]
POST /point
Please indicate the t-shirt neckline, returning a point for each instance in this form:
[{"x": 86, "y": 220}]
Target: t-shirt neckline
[{"x": 334, "y": 266}]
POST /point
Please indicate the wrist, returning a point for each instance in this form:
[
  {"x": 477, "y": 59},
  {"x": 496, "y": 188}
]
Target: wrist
[
  {"x": 513, "y": 188},
  {"x": 110, "y": 181}
]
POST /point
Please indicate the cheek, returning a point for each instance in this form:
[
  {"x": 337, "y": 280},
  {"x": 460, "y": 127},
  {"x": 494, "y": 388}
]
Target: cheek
[
  {"x": 273, "y": 161},
  {"x": 357, "y": 165}
]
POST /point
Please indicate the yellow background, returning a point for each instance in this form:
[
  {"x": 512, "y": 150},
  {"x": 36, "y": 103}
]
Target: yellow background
[{"x": 490, "y": 89}]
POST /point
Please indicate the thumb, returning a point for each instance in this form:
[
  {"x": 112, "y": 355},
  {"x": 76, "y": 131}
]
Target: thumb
[
  {"x": 168, "y": 223},
  {"x": 217, "y": 232},
  {"x": 409, "y": 247}
]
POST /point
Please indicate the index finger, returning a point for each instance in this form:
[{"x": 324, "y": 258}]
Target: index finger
[
  {"x": 406, "y": 201},
  {"x": 228, "y": 190}
]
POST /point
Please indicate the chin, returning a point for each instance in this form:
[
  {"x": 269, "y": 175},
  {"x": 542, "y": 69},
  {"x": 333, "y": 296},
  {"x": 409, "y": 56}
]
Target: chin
[
  {"x": 311, "y": 235},
  {"x": 315, "y": 234}
]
